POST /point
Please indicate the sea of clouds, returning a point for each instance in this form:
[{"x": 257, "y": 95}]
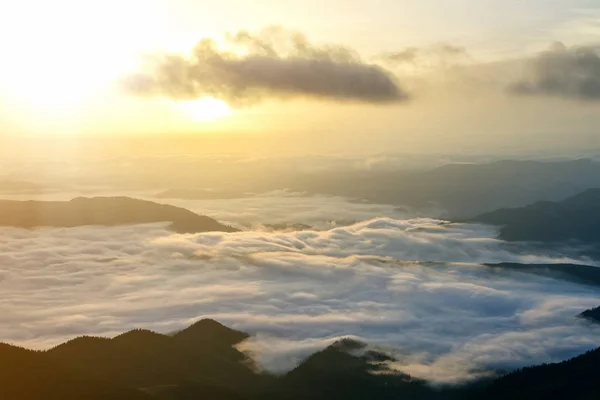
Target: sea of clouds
[
  {"x": 258, "y": 211},
  {"x": 414, "y": 288}
]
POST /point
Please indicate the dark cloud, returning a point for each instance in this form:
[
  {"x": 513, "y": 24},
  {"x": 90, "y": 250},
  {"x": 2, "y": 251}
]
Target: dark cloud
[
  {"x": 274, "y": 63},
  {"x": 562, "y": 72}
]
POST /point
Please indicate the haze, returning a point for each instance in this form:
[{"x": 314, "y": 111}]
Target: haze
[
  {"x": 64, "y": 65},
  {"x": 285, "y": 199}
]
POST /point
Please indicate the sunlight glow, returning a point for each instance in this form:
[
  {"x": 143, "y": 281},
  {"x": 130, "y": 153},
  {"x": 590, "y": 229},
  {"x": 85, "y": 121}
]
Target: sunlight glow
[
  {"x": 58, "y": 54},
  {"x": 206, "y": 109}
]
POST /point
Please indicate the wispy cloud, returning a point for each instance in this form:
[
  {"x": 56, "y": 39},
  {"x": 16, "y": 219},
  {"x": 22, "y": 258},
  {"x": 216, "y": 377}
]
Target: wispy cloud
[
  {"x": 442, "y": 55},
  {"x": 562, "y": 72}
]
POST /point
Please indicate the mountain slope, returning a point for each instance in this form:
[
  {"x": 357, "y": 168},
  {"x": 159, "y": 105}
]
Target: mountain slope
[
  {"x": 592, "y": 314},
  {"x": 105, "y": 211},
  {"x": 575, "y": 379},
  {"x": 460, "y": 190},
  {"x": 346, "y": 370},
  {"x": 582, "y": 274},
  {"x": 143, "y": 358},
  {"x": 200, "y": 362},
  {"x": 30, "y": 375},
  {"x": 576, "y": 218}
]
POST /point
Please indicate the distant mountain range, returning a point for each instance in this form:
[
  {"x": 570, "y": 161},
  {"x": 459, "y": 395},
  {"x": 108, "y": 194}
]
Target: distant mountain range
[
  {"x": 458, "y": 190},
  {"x": 23, "y": 187},
  {"x": 575, "y": 219},
  {"x": 200, "y": 194},
  {"x": 452, "y": 191},
  {"x": 201, "y": 362},
  {"x": 104, "y": 211},
  {"x": 581, "y": 274}
]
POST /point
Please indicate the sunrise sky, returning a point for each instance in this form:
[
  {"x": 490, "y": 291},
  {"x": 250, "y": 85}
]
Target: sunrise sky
[{"x": 366, "y": 76}]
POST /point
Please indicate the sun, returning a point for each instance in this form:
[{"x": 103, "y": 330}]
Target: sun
[{"x": 206, "y": 109}]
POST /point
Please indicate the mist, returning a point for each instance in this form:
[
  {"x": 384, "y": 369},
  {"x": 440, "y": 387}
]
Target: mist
[{"x": 413, "y": 288}]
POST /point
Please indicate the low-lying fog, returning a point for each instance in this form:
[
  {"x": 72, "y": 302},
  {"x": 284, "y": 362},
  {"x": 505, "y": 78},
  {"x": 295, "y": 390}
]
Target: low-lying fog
[{"x": 414, "y": 288}]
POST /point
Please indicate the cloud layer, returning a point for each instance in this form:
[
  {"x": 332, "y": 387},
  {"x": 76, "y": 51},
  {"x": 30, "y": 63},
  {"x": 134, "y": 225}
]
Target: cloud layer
[
  {"x": 273, "y": 63},
  {"x": 296, "y": 292},
  {"x": 564, "y": 72},
  {"x": 257, "y": 212}
]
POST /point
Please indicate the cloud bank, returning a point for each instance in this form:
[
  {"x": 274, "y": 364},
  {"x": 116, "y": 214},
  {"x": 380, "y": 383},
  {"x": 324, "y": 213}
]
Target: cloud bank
[
  {"x": 296, "y": 292},
  {"x": 274, "y": 63},
  {"x": 563, "y": 72}
]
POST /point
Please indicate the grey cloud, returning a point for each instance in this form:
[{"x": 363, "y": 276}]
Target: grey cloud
[
  {"x": 273, "y": 64},
  {"x": 408, "y": 55},
  {"x": 442, "y": 55},
  {"x": 570, "y": 73},
  {"x": 452, "y": 50},
  {"x": 297, "y": 292}
]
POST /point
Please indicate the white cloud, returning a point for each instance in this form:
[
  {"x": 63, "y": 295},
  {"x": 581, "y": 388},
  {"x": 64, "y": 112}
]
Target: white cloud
[{"x": 442, "y": 315}]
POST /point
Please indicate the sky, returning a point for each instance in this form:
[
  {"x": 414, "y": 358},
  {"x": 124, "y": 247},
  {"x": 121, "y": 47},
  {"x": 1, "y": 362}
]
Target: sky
[
  {"x": 310, "y": 76},
  {"x": 220, "y": 91}
]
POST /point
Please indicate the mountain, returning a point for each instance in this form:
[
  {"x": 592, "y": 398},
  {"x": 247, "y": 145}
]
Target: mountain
[
  {"x": 575, "y": 379},
  {"x": 202, "y": 362},
  {"x": 346, "y": 370},
  {"x": 139, "y": 364},
  {"x": 582, "y": 274},
  {"x": 592, "y": 314},
  {"x": 143, "y": 358},
  {"x": 458, "y": 190},
  {"x": 105, "y": 211},
  {"x": 577, "y": 218},
  {"x": 31, "y": 375}
]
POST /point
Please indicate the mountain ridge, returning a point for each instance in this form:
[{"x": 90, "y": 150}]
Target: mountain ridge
[
  {"x": 103, "y": 211},
  {"x": 144, "y": 365},
  {"x": 576, "y": 218}
]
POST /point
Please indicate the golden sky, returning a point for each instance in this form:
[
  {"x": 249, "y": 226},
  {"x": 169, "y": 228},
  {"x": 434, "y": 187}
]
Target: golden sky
[{"x": 340, "y": 75}]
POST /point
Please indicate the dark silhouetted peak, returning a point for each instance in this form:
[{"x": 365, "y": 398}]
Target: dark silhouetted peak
[
  {"x": 344, "y": 356},
  {"x": 144, "y": 365},
  {"x": 82, "y": 343},
  {"x": 210, "y": 331},
  {"x": 347, "y": 370},
  {"x": 104, "y": 211},
  {"x": 141, "y": 336},
  {"x": 348, "y": 345},
  {"x": 377, "y": 356},
  {"x": 592, "y": 314}
]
